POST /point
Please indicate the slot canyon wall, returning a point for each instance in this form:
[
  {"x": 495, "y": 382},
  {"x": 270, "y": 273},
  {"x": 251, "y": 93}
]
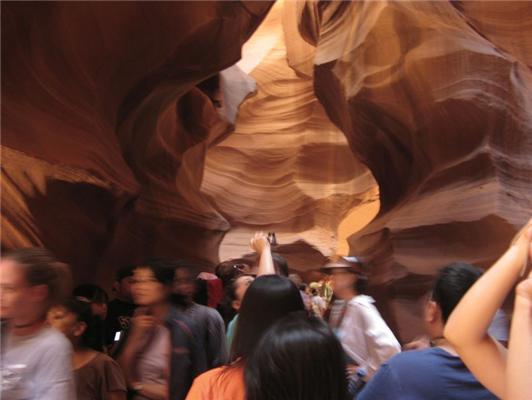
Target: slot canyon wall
[{"x": 397, "y": 131}]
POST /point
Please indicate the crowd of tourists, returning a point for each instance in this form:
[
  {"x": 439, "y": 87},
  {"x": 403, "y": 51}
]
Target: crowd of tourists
[{"x": 256, "y": 331}]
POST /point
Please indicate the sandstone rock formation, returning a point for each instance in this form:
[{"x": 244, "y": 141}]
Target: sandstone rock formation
[
  {"x": 286, "y": 167},
  {"x": 435, "y": 98},
  {"x": 398, "y": 131},
  {"x": 104, "y": 132}
]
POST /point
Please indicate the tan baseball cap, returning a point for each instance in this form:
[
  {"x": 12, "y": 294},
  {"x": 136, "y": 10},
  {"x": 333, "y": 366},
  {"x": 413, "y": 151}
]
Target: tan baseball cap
[{"x": 351, "y": 263}]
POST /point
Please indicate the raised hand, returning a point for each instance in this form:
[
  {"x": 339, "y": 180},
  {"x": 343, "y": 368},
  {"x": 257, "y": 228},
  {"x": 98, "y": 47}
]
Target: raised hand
[
  {"x": 259, "y": 242},
  {"x": 524, "y": 289}
]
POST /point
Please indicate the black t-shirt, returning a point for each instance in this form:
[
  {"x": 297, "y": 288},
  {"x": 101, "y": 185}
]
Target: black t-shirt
[{"x": 119, "y": 314}]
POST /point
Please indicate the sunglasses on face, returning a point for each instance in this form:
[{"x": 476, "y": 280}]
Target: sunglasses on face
[{"x": 241, "y": 267}]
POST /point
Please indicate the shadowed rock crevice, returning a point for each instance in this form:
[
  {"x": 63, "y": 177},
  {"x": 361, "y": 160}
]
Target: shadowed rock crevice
[{"x": 397, "y": 131}]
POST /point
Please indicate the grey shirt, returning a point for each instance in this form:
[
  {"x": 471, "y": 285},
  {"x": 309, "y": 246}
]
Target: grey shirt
[
  {"x": 37, "y": 366},
  {"x": 210, "y": 326}
]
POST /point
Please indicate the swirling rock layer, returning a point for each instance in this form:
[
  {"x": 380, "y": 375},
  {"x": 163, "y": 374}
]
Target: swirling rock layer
[
  {"x": 104, "y": 132},
  {"x": 397, "y": 131},
  {"x": 435, "y": 98}
]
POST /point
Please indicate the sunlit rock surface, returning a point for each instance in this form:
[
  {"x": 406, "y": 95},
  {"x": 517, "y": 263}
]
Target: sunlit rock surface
[
  {"x": 397, "y": 131},
  {"x": 436, "y": 99},
  {"x": 286, "y": 167}
]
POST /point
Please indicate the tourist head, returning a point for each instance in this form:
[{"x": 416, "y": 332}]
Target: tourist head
[
  {"x": 122, "y": 285},
  {"x": 74, "y": 318},
  {"x": 268, "y": 299},
  {"x": 237, "y": 289},
  {"x": 451, "y": 283},
  {"x": 297, "y": 358},
  {"x": 152, "y": 283},
  {"x": 347, "y": 277},
  {"x": 227, "y": 271},
  {"x": 31, "y": 281},
  {"x": 184, "y": 283},
  {"x": 96, "y": 296}
]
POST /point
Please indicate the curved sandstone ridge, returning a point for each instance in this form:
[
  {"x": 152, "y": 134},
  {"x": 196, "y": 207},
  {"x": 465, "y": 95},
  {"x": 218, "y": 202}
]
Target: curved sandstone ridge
[
  {"x": 286, "y": 167},
  {"x": 398, "y": 131},
  {"x": 103, "y": 131},
  {"x": 435, "y": 98}
]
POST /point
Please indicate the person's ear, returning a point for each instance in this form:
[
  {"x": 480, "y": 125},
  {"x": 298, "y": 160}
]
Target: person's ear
[
  {"x": 39, "y": 293},
  {"x": 432, "y": 311},
  {"x": 80, "y": 329},
  {"x": 236, "y": 304}
]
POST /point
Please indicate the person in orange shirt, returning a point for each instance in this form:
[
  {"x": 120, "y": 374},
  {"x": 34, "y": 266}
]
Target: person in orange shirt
[{"x": 268, "y": 299}]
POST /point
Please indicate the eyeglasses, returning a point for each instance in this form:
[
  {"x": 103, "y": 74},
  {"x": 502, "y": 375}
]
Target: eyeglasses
[{"x": 241, "y": 267}]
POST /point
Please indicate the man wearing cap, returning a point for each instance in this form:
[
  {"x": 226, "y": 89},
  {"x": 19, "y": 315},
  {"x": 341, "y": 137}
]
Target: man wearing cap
[{"x": 365, "y": 337}]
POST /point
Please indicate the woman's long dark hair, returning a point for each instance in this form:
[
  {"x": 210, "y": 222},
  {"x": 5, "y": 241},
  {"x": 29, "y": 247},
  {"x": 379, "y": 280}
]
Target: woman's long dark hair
[
  {"x": 268, "y": 299},
  {"x": 299, "y": 358},
  {"x": 92, "y": 337}
]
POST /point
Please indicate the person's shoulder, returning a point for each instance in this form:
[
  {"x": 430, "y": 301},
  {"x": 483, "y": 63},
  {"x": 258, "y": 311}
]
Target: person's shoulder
[
  {"x": 362, "y": 301},
  {"x": 225, "y": 379},
  {"x": 225, "y": 382},
  {"x": 101, "y": 362},
  {"x": 207, "y": 309},
  {"x": 51, "y": 339},
  {"x": 212, "y": 314},
  {"x": 51, "y": 349},
  {"x": 400, "y": 377},
  {"x": 384, "y": 385},
  {"x": 104, "y": 359},
  {"x": 108, "y": 364},
  {"x": 419, "y": 360},
  {"x": 363, "y": 305},
  {"x": 178, "y": 318},
  {"x": 208, "y": 377},
  {"x": 200, "y": 308}
]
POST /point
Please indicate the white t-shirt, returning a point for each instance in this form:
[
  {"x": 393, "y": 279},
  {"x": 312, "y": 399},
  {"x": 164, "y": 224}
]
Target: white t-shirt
[
  {"x": 364, "y": 335},
  {"x": 37, "y": 367}
]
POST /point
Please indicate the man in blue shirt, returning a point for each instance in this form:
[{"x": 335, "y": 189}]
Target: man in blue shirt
[{"x": 436, "y": 373}]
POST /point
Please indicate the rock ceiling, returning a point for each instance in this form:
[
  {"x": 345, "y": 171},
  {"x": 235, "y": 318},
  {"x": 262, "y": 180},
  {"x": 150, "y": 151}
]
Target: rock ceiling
[{"x": 397, "y": 131}]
